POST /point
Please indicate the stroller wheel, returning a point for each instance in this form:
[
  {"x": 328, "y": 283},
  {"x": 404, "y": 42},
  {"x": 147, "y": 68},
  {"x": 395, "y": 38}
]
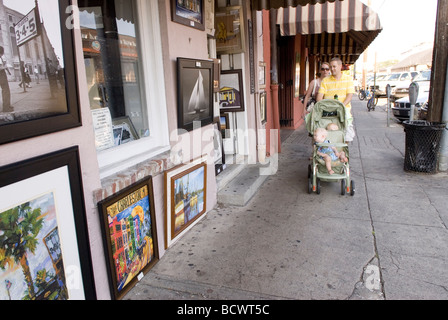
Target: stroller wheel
[
  {"x": 352, "y": 188},
  {"x": 310, "y": 185},
  {"x": 318, "y": 186},
  {"x": 310, "y": 171},
  {"x": 343, "y": 187}
]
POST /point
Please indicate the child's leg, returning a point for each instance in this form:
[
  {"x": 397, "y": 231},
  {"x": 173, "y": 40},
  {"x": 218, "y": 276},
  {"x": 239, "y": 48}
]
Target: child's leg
[{"x": 327, "y": 160}]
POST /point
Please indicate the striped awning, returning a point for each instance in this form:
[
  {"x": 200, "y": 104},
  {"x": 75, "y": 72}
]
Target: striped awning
[
  {"x": 343, "y": 28},
  {"x": 275, "y": 4}
]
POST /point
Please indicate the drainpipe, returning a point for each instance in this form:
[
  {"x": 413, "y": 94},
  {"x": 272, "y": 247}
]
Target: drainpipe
[{"x": 443, "y": 158}]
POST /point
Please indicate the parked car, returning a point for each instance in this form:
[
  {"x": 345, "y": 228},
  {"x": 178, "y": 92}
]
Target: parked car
[
  {"x": 395, "y": 79},
  {"x": 371, "y": 81},
  {"x": 423, "y": 79},
  {"x": 402, "y": 107}
]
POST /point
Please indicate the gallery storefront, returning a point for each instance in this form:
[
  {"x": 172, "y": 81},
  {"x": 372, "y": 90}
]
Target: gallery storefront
[
  {"x": 110, "y": 156},
  {"x": 108, "y": 153}
]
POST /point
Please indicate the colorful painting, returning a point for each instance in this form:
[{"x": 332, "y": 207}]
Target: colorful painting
[
  {"x": 31, "y": 266},
  {"x": 44, "y": 243},
  {"x": 186, "y": 190},
  {"x": 188, "y": 198},
  {"x": 231, "y": 96},
  {"x": 189, "y": 13},
  {"x": 131, "y": 236}
]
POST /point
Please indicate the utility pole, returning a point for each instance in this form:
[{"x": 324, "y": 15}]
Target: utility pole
[
  {"x": 438, "y": 99},
  {"x": 439, "y": 63}
]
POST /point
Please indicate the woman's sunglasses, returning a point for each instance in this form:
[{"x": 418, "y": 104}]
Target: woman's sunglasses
[{"x": 325, "y": 69}]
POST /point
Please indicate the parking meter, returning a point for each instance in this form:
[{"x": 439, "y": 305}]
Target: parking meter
[
  {"x": 413, "y": 95},
  {"x": 388, "y": 90},
  {"x": 388, "y": 103}
]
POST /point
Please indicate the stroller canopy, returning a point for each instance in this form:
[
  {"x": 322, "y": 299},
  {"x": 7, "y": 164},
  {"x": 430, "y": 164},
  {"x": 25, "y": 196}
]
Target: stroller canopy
[{"x": 327, "y": 111}]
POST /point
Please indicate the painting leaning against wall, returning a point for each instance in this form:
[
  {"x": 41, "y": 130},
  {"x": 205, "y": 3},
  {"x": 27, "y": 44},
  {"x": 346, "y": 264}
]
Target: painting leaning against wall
[{"x": 130, "y": 235}]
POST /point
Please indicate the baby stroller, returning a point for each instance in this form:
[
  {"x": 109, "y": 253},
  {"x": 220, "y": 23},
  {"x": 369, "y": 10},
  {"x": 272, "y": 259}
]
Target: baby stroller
[{"x": 325, "y": 112}]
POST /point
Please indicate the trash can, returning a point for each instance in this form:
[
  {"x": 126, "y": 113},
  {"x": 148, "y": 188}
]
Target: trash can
[{"x": 422, "y": 145}]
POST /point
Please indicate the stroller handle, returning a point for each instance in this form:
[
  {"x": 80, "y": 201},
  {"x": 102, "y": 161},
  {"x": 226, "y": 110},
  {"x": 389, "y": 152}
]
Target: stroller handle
[{"x": 331, "y": 144}]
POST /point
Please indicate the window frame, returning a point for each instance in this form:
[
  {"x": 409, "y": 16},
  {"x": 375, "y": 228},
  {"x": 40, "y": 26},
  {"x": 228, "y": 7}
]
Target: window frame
[{"x": 116, "y": 159}]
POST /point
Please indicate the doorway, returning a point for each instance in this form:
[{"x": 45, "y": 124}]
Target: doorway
[{"x": 286, "y": 73}]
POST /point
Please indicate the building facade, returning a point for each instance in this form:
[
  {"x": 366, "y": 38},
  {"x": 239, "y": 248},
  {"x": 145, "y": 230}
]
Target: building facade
[
  {"x": 120, "y": 88},
  {"x": 132, "y": 95}
]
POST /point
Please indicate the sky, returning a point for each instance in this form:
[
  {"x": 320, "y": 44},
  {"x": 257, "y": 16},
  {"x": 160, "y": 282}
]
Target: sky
[{"x": 405, "y": 23}]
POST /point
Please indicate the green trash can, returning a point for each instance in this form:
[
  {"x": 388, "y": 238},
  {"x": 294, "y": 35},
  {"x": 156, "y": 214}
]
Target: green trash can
[{"x": 422, "y": 145}]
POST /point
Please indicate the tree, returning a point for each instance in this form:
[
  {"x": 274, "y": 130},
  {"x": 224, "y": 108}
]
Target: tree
[{"x": 19, "y": 228}]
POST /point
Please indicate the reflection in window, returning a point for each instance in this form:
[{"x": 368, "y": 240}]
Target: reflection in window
[{"x": 109, "y": 31}]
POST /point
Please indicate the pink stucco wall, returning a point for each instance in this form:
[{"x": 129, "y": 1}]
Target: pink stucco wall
[{"x": 178, "y": 40}]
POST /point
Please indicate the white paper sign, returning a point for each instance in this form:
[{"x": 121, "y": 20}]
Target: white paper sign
[{"x": 102, "y": 124}]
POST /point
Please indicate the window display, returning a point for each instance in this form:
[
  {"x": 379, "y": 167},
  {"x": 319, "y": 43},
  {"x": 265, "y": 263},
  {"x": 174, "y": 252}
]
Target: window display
[{"x": 113, "y": 69}]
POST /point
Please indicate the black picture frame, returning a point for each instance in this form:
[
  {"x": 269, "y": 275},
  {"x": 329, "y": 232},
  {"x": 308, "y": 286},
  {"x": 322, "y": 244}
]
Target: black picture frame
[
  {"x": 34, "y": 172},
  {"x": 16, "y": 126},
  {"x": 135, "y": 208},
  {"x": 194, "y": 93},
  {"x": 231, "y": 92},
  {"x": 192, "y": 17}
]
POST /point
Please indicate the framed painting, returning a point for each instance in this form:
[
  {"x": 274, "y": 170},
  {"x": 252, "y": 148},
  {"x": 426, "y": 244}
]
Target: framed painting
[
  {"x": 195, "y": 93},
  {"x": 185, "y": 198},
  {"x": 189, "y": 13},
  {"x": 44, "y": 244},
  {"x": 224, "y": 123},
  {"x": 263, "y": 107},
  {"x": 130, "y": 235},
  {"x": 38, "y": 80},
  {"x": 231, "y": 92},
  {"x": 262, "y": 75},
  {"x": 229, "y": 34}
]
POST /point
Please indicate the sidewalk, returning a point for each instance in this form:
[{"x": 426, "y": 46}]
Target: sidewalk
[
  {"x": 388, "y": 241},
  {"x": 35, "y": 102}
]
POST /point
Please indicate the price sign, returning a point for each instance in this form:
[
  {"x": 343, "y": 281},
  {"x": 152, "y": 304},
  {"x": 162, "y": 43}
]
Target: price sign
[{"x": 26, "y": 29}]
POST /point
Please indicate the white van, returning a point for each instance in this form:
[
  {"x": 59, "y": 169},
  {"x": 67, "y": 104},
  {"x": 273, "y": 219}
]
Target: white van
[{"x": 396, "y": 79}]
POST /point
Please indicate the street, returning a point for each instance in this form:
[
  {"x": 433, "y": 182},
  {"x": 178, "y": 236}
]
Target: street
[{"x": 35, "y": 101}]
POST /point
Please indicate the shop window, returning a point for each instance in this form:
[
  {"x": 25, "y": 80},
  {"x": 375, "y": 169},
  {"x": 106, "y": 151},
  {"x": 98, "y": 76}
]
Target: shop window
[{"x": 123, "y": 87}]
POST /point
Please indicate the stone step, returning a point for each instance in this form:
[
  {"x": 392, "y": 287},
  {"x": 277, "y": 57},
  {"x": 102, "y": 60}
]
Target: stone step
[{"x": 241, "y": 188}]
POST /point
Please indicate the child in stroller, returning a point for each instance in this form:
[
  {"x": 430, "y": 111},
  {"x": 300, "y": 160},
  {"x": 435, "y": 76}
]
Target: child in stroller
[
  {"x": 328, "y": 153},
  {"x": 333, "y": 163}
]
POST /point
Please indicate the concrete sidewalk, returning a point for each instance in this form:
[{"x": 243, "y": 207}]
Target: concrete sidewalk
[{"x": 388, "y": 241}]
